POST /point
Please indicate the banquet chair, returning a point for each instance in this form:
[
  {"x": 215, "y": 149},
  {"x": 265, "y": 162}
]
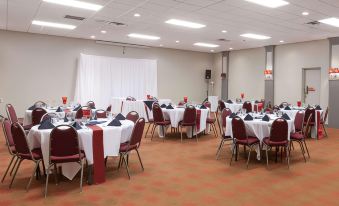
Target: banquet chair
[
  {"x": 240, "y": 137},
  {"x": 64, "y": 147},
  {"x": 207, "y": 104},
  {"x": 278, "y": 138},
  {"x": 268, "y": 110},
  {"x": 159, "y": 120},
  {"x": 189, "y": 120},
  {"x": 109, "y": 108},
  {"x": 283, "y": 104},
  {"x": 23, "y": 152},
  {"x": 276, "y": 108},
  {"x": 181, "y": 103},
  {"x": 133, "y": 144},
  {"x": 323, "y": 122},
  {"x": 211, "y": 119},
  {"x": 221, "y": 107},
  {"x": 6, "y": 128},
  {"x": 150, "y": 120},
  {"x": 224, "y": 114},
  {"x": 310, "y": 111},
  {"x": 300, "y": 137},
  {"x": 11, "y": 114},
  {"x": 49, "y": 115},
  {"x": 91, "y": 104},
  {"x": 100, "y": 113},
  {"x": 37, "y": 115},
  {"x": 79, "y": 114},
  {"x": 40, "y": 104},
  {"x": 133, "y": 116},
  {"x": 298, "y": 121},
  {"x": 248, "y": 106},
  {"x": 129, "y": 98}
]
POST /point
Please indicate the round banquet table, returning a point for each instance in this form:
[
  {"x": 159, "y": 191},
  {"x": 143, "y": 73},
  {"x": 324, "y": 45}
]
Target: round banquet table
[
  {"x": 28, "y": 115},
  {"x": 258, "y": 128},
  {"x": 177, "y": 114},
  {"x": 112, "y": 138}
]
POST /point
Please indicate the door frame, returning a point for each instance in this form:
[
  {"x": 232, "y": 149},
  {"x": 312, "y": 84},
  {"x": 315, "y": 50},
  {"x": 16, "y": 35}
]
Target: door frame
[{"x": 303, "y": 81}]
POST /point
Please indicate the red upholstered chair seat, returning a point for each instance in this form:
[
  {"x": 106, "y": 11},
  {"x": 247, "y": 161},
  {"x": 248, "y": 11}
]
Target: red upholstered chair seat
[
  {"x": 271, "y": 143},
  {"x": 13, "y": 149},
  {"x": 27, "y": 127},
  {"x": 165, "y": 122},
  {"x": 210, "y": 120},
  {"x": 70, "y": 158},
  {"x": 249, "y": 141},
  {"x": 125, "y": 148},
  {"x": 36, "y": 153},
  {"x": 187, "y": 124},
  {"x": 297, "y": 136}
]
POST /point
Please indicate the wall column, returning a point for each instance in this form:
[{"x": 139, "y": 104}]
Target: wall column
[
  {"x": 269, "y": 74},
  {"x": 333, "y": 106},
  {"x": 224, "y": 74}
]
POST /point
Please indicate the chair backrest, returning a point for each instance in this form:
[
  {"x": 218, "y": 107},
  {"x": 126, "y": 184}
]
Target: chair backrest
[
  {"x": 6, "y": 127},
  {"x": 207, "y": 104},
  {"x": 307, "y": 127},
  {"x": 310, "y": 111},
  {"x": 283, "y": 104},
  {"x": 64, "y": 141},
  {"x": 158, "y": 116},
  {"x": 225, "y": 113},
  {"x": 137, "y": 132},
  {"x": 181, "y": 103},
  {"x": 221, "y": 105},
  {"x": 299, "y": 120},
  {"x": 190, "y": 115},
  {"x": 129, "y": 98},
  {"x": 37, "y": 114},
  {"x": 11, "y": 113},
  {"x": 238, "y": 128},
  {"x": 248, "y": 106},
  {"x": 133, "y": 116},
  {"x": 146, "y": 111},
  {"x": 279, "y": 130},
  {"x": 100, "y": 113},
  {"x": 276, "y": 108},
  {"x": 40, "y": 104},
  {"x": 49, "y": 115},
  {"x": 91, "y": 104},
  {"x": 109, "y": 108},
  {"x": 268, "y": 110},
  {"x": 79, "y": 114},
  {"x": 19, "y": 139}
]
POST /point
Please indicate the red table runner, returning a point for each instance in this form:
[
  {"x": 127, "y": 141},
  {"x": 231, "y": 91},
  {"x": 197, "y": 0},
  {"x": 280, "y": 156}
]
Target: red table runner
[
  {"x": 198, "y": 119},
  {"x": 319, "y": 128},
  {"x": 98, "y": 154}
]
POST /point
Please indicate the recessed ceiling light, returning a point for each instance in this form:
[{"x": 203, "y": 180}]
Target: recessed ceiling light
[
  {"x": 185, "y": 23},
  {"x": 231, "y": 48},
  {"x": 76, "y": 4},
  {"x": 161, "y": 45},
  {"x": 212, "y": 50},
  {"x": 143, "y": 36},
  {"x": 270, "y": 3},
  {"x": 177, "y": 41},
  {"x": 206, "y": 45},
  {"x": 103, "y": 31},
  {"x": 137, "y": 15},
  {"x": 281, "y": 41},
  {"x": 52, "y": 24},
  {"x": 92, "y": 37},
  {"x": 223, "y": 31},
  {"x": 331, "y": 21},
  {"x": 255, "y": 36},
  {"x": 305, "y": 13}
]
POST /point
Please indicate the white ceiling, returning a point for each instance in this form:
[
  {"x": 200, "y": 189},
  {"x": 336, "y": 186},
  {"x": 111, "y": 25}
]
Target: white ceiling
[{"x": 236, "y": 16}]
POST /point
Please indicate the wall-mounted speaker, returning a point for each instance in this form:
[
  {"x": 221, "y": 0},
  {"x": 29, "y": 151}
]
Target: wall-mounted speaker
[{"x": 208, "y": 73}]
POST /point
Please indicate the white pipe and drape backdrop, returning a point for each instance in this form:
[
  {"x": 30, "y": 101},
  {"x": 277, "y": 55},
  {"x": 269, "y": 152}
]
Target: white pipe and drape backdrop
[{"x": 100, "y": 78}]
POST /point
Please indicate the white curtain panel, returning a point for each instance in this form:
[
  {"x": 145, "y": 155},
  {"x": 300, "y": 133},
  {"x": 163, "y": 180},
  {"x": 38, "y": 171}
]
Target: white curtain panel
[{"x": 101, "y": 78}]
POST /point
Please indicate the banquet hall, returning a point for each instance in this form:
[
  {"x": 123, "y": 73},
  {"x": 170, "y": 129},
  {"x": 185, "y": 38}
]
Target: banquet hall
[{"x": 169, "y": 102}]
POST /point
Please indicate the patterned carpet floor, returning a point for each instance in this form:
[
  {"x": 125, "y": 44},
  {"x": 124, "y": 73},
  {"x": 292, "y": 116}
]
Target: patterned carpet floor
[{"x": 188, "y": 174}]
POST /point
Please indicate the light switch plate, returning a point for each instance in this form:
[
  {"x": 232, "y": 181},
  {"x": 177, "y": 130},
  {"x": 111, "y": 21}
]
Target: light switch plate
[{"x": 1, "y": 100}]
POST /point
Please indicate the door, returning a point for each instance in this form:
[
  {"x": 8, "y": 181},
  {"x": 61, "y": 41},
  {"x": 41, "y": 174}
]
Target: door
[{"x": 312, "y": 86}]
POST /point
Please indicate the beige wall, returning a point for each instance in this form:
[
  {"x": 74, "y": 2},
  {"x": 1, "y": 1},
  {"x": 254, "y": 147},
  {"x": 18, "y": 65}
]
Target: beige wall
[
  {"x": 34, "y": 67},
  {"x": 289, "y": 61}
]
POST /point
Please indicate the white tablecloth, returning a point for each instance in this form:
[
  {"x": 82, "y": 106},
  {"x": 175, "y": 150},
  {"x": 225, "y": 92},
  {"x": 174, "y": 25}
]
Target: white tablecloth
[
  {"x": 28, "y": 115},
  {"x": 177, "y": 114},
  {"x": 214, "y": 103},
  {"x": 234, "y": 107},
  {"x": 112, "y": 138}
]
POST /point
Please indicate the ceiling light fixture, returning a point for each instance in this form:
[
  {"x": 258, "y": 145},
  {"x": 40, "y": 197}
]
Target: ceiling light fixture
[
  {"x": 305, "y": 13},
  {"x": 137, "y": 15},
  {"x": 281, "y": 41},
  {"x": 103, "y": 32},
  {"x": 161, "y": 45},
  {"x": 270, "y": 3},
  {"x": 183, "y": 23},
  {"x": 205, "y": 45},
  {"x": 143, "y": 36},
  {"x": 212, "y": 50},
  {"x": 223, "y": 31},
  {"x": 52, "y": 24},
  {"x": 231, "y": 48},
  {"x": 177, "y": 41},
  {"x": 331, "y": 21},
  {"x": 92, "y": 37},
  {"x": 76, "y": 4},
  {"x": 255, "y": 36}
]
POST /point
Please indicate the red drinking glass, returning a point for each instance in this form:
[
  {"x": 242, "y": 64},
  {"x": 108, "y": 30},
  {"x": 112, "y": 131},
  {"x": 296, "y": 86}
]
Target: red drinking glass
[
  {"x": 299, "y": 103},
  {"x": 148, "y": 96},
  {"x": 185, "y": 99},
  {"x": 242, "y": 95},
  {"x": 86, "y": 112},
  {"x": 64, "y": 100}
]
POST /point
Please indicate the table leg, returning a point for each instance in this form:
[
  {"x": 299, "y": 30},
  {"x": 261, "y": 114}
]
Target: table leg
[{"x": 90, "y": 175}]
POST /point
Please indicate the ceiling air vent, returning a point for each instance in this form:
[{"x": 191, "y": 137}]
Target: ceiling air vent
[
  {"x": 313, "y": 23},
  {"x": 74, "y": 17},
  {"x": 112, "y": 23},
  {"x": 224, "y": 40}
]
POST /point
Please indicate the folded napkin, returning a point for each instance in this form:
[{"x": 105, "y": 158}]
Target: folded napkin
[
  {"x": 46, "y": 124},
  {"x": 256, "y": 101},
  {"x": 149, "y": 104},
  {"x": 233, "y": 115},
  {"x": 31, "y": 107},
  {"x": 286, "y": 117},
  {"x": 229, "y": 101},
  {"x": 59, "y": 109},
  {"x": 76, "y": 125},
  {"x": 169, "y": 107},
  {"x": 92, "y": 107},
  {"x": 95, "y": 117},
  {"x": 120, "y": 117},
  {"x": 163, "y": 106},
  {"x": 281, "y": 106},
  {"x": 203, "y": 107},
  {"x": 248, "y": 117},
  {"x": 287, "y": 108},
  {"x": 115, "y": 123},
  {"x": 266, "y": 118},
  {"x": 77, "y": 108},
  {"x": 318, "y": 107},
  {"x": 65, "y": 118},
  {"x": 95, "y": 122}
]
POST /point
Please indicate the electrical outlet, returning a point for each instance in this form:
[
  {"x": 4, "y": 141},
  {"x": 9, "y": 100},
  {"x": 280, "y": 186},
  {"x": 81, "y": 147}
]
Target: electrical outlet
[{"x": 1, "y": 100}]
